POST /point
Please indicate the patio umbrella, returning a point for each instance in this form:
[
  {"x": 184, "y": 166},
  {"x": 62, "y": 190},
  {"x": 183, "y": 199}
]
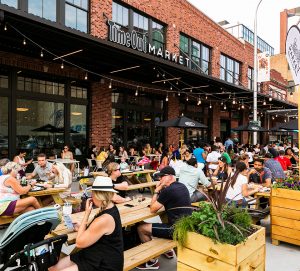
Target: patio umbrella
[
  {"x": 62, "y": 130},
  {"x": 46, "y": 128},
  {"x": 250, "y": 127},
  {"x": 291, "y": 125},
  {"x": 182, "y": 123}
]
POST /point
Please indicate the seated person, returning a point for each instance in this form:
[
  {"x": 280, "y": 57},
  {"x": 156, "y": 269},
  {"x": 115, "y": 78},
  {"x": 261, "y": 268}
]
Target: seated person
[
  {"x": 260, "y": 174},
  {"x": 113, "y": 171},
  {"x": 10, "y": 191},
  {"x": 190, "y": 175},
  {"x": 123, "y": 164},
  {"x": 274, "y": 166},
  {"x": 100, "y": 241},
  {"x": 238, "y": 188},
  {"x": 102, "y": 155},
  {"x": 20, "y": 159},
  {"x": 284, "y": 161},
  {"x": 223, "y": 171},
  {"x": 3, "y": 162},
  {"x": 43, "y": 169}
]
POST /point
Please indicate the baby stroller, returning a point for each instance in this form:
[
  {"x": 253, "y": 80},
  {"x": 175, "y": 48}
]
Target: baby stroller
[{"x": 22, "y": 244}]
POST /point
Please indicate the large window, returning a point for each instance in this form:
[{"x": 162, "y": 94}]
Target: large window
[
  {"x": 3, "y": 127},
  {"x": 230, "y": 70},
  {"x": 78, "y": 126},
  {"x": 37, "y": 124},
  {"x": 77, "y": 14},
  {"x": 135, "y": 119},
  {"x": 129, "y": 19},
  {"x": 43, "y": 8},
  {"x": 197, "y": 52},
  {"x": 11, "y": 3}
]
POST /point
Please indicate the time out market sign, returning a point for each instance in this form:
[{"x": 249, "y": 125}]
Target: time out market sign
[{"x": 136, "y": 41}]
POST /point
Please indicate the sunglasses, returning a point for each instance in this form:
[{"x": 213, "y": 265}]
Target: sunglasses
[{"x": 117, "y": 169}]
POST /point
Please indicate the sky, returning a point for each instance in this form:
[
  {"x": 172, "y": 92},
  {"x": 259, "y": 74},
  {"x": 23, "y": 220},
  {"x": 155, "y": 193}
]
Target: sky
[{"x": 243, "y": 11}]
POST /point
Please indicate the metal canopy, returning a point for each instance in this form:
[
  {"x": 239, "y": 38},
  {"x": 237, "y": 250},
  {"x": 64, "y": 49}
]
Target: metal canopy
[{"x": 102, "y": 57}]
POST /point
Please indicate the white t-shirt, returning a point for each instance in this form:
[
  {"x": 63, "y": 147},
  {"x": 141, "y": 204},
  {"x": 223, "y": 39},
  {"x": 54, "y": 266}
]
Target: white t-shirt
[
  {"x": 250, "y": 154},
  {"x": 235, "y": 192},
  {"x": 213, "y": 157}
]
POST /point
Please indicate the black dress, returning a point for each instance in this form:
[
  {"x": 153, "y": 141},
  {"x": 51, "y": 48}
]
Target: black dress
[{"x": 107, "y": 253}]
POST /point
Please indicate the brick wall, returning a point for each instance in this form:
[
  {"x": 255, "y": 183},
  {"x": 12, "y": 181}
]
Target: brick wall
[
  {"x": 100, "y": 119},
  {"x": 172, "y": 134}
]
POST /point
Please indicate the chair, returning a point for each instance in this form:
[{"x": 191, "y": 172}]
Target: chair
[
  {"x": 90, "y": 163},
  {"x": 99, "y": 164}
]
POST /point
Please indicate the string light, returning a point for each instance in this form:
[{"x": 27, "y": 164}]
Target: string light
[
  {"x": 62, "y": 65},
  {"x": 199, "y": 101},
  {"x": 178, "y": 93},
  {"x": 167, "y": 97},
  {"x": 225, "y": 107},
  {"x": 24, "y": 41},
  {"x": 273, "y": 118},
  {"x": 5, "y": 27},
  {"x": 137, "y": 91},
  {"x": 276, "y": 116},
  {"x": 164, "y": 75},
  {"x": 86, "y": 76},
  {"x": 242, "y": 106},
  {"x": 222, "y": 103},
  {"x": 171, "y": 88},
  {"x": 264, "y": 103},
  {"x": 110, "y": 84},
  {"x": 42, "y": 53},
  {"x": 270, "y": 99},
  {"x": 187, "y": 98},
  {"x": 177, "y": 82},
  {"x": 210, "y": 106},
  {"x": 206, "y": 97},
  {"x": 157, "y": 75}
]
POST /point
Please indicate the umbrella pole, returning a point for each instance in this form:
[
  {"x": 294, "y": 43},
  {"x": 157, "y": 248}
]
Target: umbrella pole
[{"x": 181, "y": 137}]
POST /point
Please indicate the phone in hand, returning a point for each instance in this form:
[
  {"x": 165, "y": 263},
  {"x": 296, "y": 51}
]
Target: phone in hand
[
  {"x": 68, "y": 222},
  {"x": 128, "y": 205}
]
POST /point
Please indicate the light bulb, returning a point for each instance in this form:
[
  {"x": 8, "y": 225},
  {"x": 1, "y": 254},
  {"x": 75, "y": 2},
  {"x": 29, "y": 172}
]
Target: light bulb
[
  {"x": 86, "y": 76},
  {"x": 242, "y": 106},
  {"x": 110, "y": 84},
  {"x": 5, "y": 27},
  {"x": 276, "y": 116},
  {"x": 136, "y": 93},
  {"x": 167, "y": 98},
  {"x": 187, "y": 98},
  {"x": 157, "y": 75},
  {"x": 264, "y": 103},
  {"x": 62, "y": 65},
  {"x": 222, "y": 103},
  {"x": 199, "y": 101},
  {"x": 233, "y": 102},
  {"x": 164, "y": 82},
  {"x": 164, "y": 75},
  {"x": 210, "y": 106},
  {"x": 178, "y": 93},
  {"x": 24, "y": 41},
  {"x": 177, "y": 83},
  {"x": 270, "y": 99},
  {"x": 225, "y": 107},
  {"x": 206, "y": 97},
  {"x": 42, "y": 53},
  {"x": 171, "y": 88}
]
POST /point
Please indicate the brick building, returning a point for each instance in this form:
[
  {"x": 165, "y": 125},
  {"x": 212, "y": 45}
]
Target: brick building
[{"x": 110, "y": 71}]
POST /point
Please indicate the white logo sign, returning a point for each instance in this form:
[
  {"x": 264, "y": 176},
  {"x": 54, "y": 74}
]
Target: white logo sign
[
  {"x": 263, "y": 74},
  {"x": 292, "y": 46},
  {"x": 189, "y": 123},
  {"x": 254, "y": 128}
]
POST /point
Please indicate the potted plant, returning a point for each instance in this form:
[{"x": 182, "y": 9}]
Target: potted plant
[
  {"x": 285, "y": 211},
  {"x": 219, "y": 236}
]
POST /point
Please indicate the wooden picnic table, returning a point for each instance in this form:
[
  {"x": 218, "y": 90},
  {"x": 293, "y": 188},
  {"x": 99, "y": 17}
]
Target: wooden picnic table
[
  {"x": 53, "y": 192},
  {"x": 129, "y": 216}
]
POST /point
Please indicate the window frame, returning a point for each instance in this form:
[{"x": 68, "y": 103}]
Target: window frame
[{"x": 228, "y": 73}]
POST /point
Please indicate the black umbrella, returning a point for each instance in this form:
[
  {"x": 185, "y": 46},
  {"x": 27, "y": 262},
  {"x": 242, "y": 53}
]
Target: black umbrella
[
  {"x": 62, "y": 130},
  {"x": 250, "y": 127},
  {"x": 291, "y": 125},
  {"x": 182, "y": 122},
  {"x": 46, "y": 128}
]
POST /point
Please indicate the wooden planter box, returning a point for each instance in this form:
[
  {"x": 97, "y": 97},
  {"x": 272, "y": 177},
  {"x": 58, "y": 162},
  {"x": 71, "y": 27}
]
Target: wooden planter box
[
  {"x": 201, "y": 253},
  {"x": 285, "y": 216}
]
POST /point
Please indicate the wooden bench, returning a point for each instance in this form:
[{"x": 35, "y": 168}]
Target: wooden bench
[
  {"x": 146, "y": 251},
  {"x": 141, "y": 185},
  {"x": 7, "y": 219}
]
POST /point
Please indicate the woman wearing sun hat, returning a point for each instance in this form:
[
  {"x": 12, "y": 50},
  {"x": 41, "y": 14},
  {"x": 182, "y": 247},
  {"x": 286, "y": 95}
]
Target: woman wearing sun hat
[{"x": 101, "y": 241}]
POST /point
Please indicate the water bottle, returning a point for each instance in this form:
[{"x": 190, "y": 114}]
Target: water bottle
[{"x": 23, "y": 181}]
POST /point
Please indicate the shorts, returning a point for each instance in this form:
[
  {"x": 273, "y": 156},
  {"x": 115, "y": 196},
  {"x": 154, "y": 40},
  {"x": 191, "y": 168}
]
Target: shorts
[
  {"x": 162, "y": 230},
  {"x": 10, "y": 209}
]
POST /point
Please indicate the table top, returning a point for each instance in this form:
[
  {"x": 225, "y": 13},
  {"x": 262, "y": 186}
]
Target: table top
[
  {"x": 129, "y": 216},
  {"x": 129, "y": 173},
  {"x": 48, "y": 191},
  {"x": 64, "y": 161}
]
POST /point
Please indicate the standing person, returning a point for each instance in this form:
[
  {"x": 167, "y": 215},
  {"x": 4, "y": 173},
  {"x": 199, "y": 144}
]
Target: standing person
[
  {"x": 10, "y": 191},
  {"x": 228, "y": 143},
  {"x": 238, "y": 188},
  {"x": 174, "y": 197},
  {"x": 200, "y": 155},
  {"x": 20, "y": 159},
  {"x": 219, "y": 144},
  {"x": 101, "y": 241},
  {"x": 43, "y": 169},
  {"x": 212, "y": 158}
]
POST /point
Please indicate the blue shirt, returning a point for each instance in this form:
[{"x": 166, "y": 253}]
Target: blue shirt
[
  {"x": 1, "y": 172},
  {"x": 198, "y": 155},
  {"x": 276, "y": 169},
  {"x": 228, "y": 142}
]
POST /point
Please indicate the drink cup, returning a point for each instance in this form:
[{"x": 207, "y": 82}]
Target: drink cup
[{"x": 67, "y": 209}]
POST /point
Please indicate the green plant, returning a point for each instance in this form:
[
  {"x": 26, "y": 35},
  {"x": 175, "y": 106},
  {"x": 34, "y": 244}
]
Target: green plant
[
  {"x": 216, "y": 219},
  {"x": 290, "y": 183}
]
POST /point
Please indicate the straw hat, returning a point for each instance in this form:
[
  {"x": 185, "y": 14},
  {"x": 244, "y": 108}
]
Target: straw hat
[{"x": 103, "y": 184}]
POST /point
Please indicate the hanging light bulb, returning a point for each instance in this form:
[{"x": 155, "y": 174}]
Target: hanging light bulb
[
  {"x": 42, "y": 53},
  {"x": 264, "y": 103},
  {"x": 177, "y": 82},
  {"x": 153, "y": 68},
  {"x": 110, "y": 84},
  {"x": 222, "y": 103},
  {"x": 210, "y": 106},
  {"x": 206, "y": 97},
  {"x": 24, "y": 41},
  {"x": 178, "y": 93},
  {"x": 270, "y": 99},
  {"x": 5, "y": 27},
  {"x": 62, "y": 65},
  {"x": 164, "y": 75},
  {"x": 137, "y": 91},
  {"x": 164, "y": 82},
  {"x": 225, "y": 107},
  {"x": 157, "y": 75},
  {"x": 167, "y": 98},
  {"x": 284, "y": 120},
  {"x": 276, "y": 116},
  {"x": 242, "y": 106},
  {"x": 233, "y": 101},
  {"x": 86, "y": 76},
  {"x": 171, "y": 88},
  {"x": 187, "y": 98},
  {"x": 199, "y": 101},
  {"x": 273, "y": 118}
]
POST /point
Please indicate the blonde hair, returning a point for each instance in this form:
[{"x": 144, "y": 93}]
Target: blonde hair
[
  {"x": 11, "y": 166},
  {"x": 60, "y": 167},
  {"x": 105, "y": 197},
  {"x": 112, "y": 167}
]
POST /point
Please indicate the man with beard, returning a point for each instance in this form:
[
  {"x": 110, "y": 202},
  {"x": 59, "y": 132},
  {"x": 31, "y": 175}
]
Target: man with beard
[{"x": 260, "y": 174}]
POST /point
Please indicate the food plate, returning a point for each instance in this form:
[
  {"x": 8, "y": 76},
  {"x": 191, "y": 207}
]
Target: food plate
[{"x": 37, "y": 188}]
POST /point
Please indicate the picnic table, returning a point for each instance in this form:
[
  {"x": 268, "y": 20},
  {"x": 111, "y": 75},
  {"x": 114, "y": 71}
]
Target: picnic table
[
  {"x": 130, "y": 213},
  {"x": 53, "y": 192}
]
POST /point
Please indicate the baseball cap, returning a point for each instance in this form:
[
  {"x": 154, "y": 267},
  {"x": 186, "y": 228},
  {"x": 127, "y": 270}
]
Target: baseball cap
[{"x": 166, "y": 171}]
